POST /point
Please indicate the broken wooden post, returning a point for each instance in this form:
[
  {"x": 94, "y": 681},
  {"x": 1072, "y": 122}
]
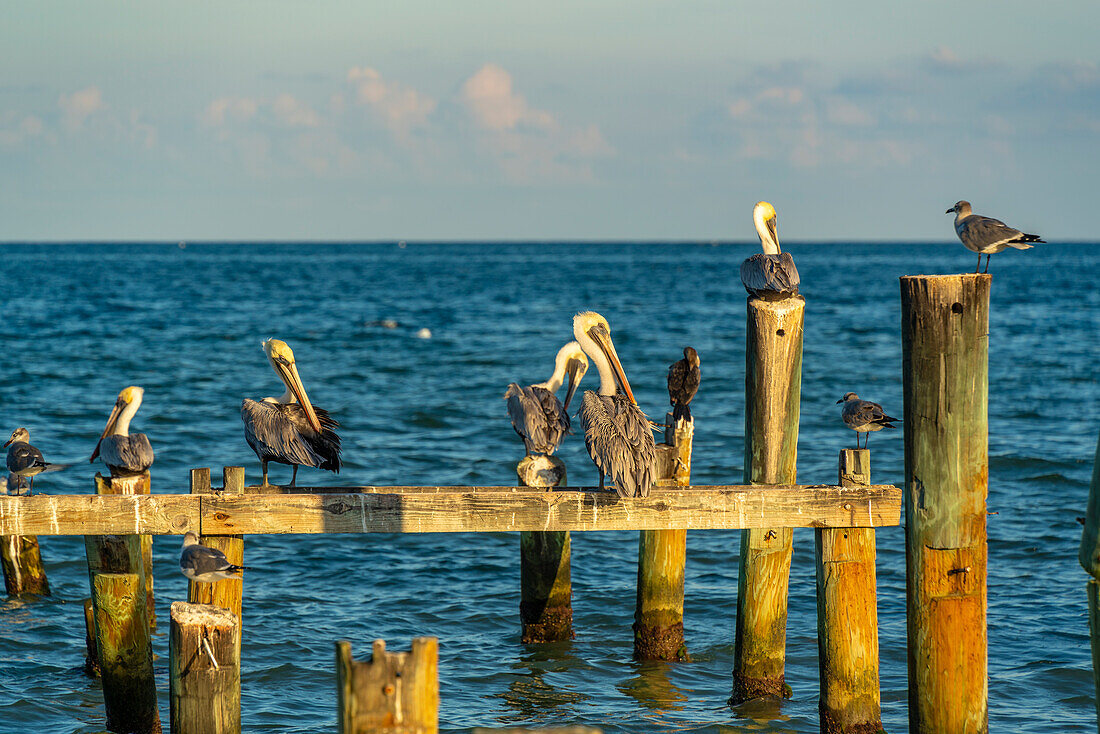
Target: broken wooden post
[
  {"x": 1089, "y": 556},
  {"x": 20, "y": 556},
  {"x": 945, "y": 371},
  {"x": 546, "y": 587},
  {"x": 135, "y": 484},
  {"x": 393, "y": 692},
  {"x": 226, "y": 593},
  {"x": 659, "y": 611},
  {"x": 204, "y": 670},
  {"x": 847, "y": 616},
  {"x": 773, "y": 388}
]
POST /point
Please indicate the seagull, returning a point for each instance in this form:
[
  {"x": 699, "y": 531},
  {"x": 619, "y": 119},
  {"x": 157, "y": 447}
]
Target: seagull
[
  {"x": 16, "y": 485},
  {"x": 987, "y": 236},
  {"x": 24, "y": 460},
  {"x": 770, "y": 275},
  {"x": 863, "y": 416},
  {"x": 683, "y": 382},
  {"x": 200, "y": 563}
]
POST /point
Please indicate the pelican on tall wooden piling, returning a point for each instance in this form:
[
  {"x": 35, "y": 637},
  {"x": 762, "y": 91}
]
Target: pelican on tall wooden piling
[
  {"x": 288, "y": 429},
  {"x": 539, "y": 418},
  {"x": 122, "y": 452},
  {"x": 616, "y": 431},
  {"x": 24, "y": 460},
  {"x": 770, "y": 275}
]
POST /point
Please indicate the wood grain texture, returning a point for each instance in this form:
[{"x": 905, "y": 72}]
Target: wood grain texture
[
  {"x": 773, "y": 391},
  {"x": 393, "y": 692},
  {"x": 847, "y": 617},
  {"x": 21, "y": 559},
  {"x": 132, "y": 484},
  {"x": 59, "y": 514},
  {"x": 225, "y": 593},
  {"x": 545, "y": 569},
  {"x": 204, "y": 698},
  {"x": 945, "y": 376}
]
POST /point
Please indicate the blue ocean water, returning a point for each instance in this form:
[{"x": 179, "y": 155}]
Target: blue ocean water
[{"x": 80, "y": 322}]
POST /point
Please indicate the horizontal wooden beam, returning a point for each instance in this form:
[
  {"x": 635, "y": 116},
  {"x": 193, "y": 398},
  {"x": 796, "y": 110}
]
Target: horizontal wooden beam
[{"x": 452, "y": 509}]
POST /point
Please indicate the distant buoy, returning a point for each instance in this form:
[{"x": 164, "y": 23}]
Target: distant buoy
[
  {"x": 424, "y": 333},
  {"x": 401, "y": 244}
]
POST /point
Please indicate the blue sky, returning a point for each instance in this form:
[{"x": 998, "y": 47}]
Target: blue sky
[{"x": 568, "y": 120}]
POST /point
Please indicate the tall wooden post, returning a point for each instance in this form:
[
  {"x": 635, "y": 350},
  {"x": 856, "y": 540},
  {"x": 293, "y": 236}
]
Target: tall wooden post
[
  {"x": 135, "y": 484},
  {"x": 945, "y": 370},
  {"x": 1090, "y": 559},
  {"x": 847, "y": 617},
  {"x": 659, "y": 612},
  {"x": 122, "y": 642},
  {"x": 773, "y": 388},
  {"x": 546, "y": 586},
  {"x": 204, "y": 670},
  {"x": 226, "y": 593},
  {"x": 393, "y": 692}
]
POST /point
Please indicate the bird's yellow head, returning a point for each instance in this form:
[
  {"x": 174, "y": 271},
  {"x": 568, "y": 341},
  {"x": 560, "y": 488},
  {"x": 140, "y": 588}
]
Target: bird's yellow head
[
  {"x": 278, "y": 351},
  {"x": 767, "y": 226},
  {"x": 585, "y": 321},
  {"x": 766, "y": 211},
  {"x": 130, "y": 394}
]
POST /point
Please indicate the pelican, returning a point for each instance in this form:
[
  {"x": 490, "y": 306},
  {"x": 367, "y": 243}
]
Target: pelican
[
  {"x": 288, "y": 429},
  {"x": 683, "y": 382},
  {"x": 863, "y": 416},
  {"x": 987, "y": 236},
  {"x": 616, "y": 431},
  {"x": 771, "y": 275},
  {"x": 199, "y": 563},
  {"x": 539, "y": 418},
  {"x": 121, "y": 452},
  {"x": 24, "y": 460}
]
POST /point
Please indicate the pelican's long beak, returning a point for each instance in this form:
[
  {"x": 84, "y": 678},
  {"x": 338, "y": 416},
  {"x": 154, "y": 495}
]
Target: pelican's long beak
[
  {"x": 572, "y": 369},
  {"x": 773, "y": 229},
  {"x": 603, "y": 340},
  {"x": 288, "y": 373},
  {"x": 111, "y": 421}
]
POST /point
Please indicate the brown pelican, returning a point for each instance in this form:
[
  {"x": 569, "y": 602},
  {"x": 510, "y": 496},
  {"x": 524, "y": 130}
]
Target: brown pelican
[
  {"x": 288, "y": 429},
  {"x": 987, "y": 236},
  {"x": 124, "y": 453},
  {"x": 616, "y": 431},
  {"x": 863, "y": 416},
  {"x": 24, "y": 460},
  {"x": 683, "y": 381},
  {"x": 539, "y": 418},
  {"x": 200, "y": 563},
  {"x": 771, "y": 275}
]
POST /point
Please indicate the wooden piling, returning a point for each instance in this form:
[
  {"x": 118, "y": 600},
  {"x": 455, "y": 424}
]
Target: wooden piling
[
  {"x": 546, "y": 586},
  {"x": 226, "y": 593},
  {"x": 659, "y": 611},
  {"x": 847, "y": 617},
  {"x": 393, "y": 692},
  {"x": 945, "y": 370},
  {"x": 135, "y": 484},
  {"x": 91, "y": 657},
  {"x": 1089, "y": 556},
  {"x": 22, "y": 563},
  {"x": 204, "y": 670},
  {"x": 773, "y": 388}
]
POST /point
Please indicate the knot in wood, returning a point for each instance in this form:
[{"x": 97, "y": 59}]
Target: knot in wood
[
  {"x": 221, "y": 516},
  {"x": 338, "y": 508},
  {"x": 847, "y": 506},
  {"x": 388, "y": 689}
]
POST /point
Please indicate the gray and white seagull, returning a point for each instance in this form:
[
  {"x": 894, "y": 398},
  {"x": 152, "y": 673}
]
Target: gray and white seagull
[
  {"x": 200, "y": 563},
  {"x": 987, "y": 236},
  {"x": 26, "y": 461},
  {"x": 863, "y": 416}
]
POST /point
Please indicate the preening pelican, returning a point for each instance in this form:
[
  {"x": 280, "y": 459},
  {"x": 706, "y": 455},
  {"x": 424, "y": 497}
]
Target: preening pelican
[
  {"x": 771, "y": 275},
  {"x": 616, "y": 431},
  {"x": 539, "y": 418},
  {"x": 987, "y": 236},
  {"x": 121, "y": 452},
  {"x": 863, "y": 416},
  {"x": 683, "y": 382},
  {"x": 24, "y": 460},
  {"x": 288, "y": 429}
]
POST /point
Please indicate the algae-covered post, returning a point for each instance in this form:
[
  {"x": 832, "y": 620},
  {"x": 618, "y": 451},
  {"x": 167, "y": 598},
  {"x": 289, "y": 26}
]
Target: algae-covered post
[
  {"x": 135, "y": 484},
  {"x": 945, "y": 372},
  {"x": 393, "y": 692},
  {"x": 225, "y": 593},
  {"x": 773, "y": 388},
  {"x": 22, "y": 562},
  {"x": 659, "y": 611},
  {"x": 847, "y": 616},
  {"x": 1090, "y": 560},
  {"x": 546, "y": 586},
  {"x": 204, "y": 671}
]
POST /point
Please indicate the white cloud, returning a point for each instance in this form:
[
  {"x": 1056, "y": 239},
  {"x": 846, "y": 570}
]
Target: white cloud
[
  {"x": 294, "y": 113},
  {"x": 489, "y": 98},
  {"x": 79, "y": 106},
  {"x": 400, "y": 107}
]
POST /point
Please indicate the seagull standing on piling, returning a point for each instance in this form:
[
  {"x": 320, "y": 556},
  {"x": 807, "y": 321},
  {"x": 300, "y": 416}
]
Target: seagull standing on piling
[
  {"x": 200, "y": 563},
  {"x": 616, "y": 431},
  {"x": 288, "y": 429},
  {"x": 987, "y": 236},
  {"x": 24, "y": 460},
  {"x": 770, "y": 275},
  {"x": 863, "y": 416},
  {"x": 539, "y": 418},
  {"x": 124, "y": 453},
  {"x": 683, "y": 382}
]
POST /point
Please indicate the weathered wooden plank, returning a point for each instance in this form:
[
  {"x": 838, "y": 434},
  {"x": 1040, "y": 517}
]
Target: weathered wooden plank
[{"x": 158, "y": 514}]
